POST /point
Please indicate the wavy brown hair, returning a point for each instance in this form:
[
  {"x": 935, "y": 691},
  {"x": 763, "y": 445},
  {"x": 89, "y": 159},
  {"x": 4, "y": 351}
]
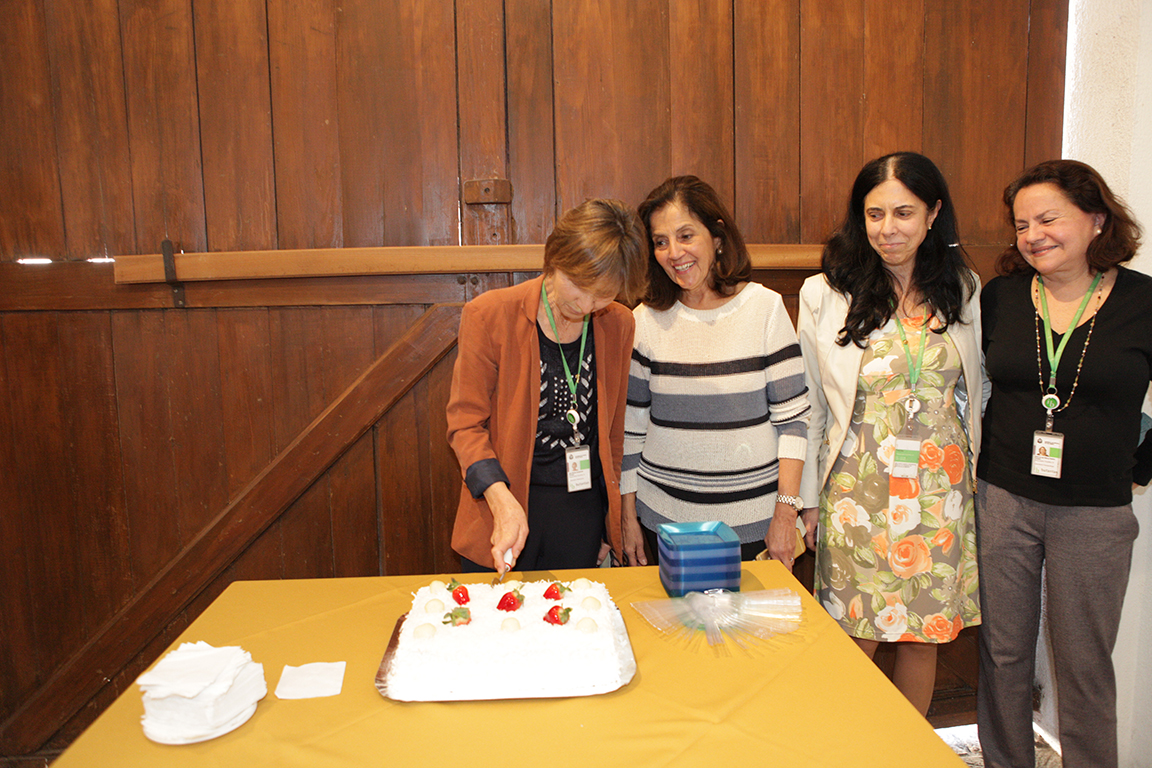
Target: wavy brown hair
[
  {"x": 732, "y": 264},
  {"x": 1119, "y": 236}
]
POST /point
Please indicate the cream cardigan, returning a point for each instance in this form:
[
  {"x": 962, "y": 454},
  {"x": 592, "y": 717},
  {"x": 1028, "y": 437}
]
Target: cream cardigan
[{"x": 832, "y": 372}]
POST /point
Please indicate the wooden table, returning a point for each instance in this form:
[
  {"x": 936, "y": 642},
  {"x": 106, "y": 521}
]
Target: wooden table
[{"x": 808, "y": 699}]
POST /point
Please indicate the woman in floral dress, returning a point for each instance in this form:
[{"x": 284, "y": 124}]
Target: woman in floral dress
[{"x": 890, "y": 333}]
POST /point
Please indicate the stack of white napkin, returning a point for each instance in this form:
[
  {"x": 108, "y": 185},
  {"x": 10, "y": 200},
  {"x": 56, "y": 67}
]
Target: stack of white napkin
[{"x": 198, "y": 692}]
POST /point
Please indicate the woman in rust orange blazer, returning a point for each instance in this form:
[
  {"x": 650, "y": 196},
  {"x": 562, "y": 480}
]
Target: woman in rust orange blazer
[{"x": 536, "y": 410}]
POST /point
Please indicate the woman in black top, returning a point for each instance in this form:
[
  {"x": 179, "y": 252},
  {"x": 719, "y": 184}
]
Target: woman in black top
[{"x": 1060, "y": 456}]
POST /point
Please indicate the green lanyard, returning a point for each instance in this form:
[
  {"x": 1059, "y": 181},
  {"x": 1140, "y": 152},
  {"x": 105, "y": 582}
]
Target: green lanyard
[
  {"x": 573, "y": 381},
  {"x": 1054, "y": 357},
  {"x": 913, "y": 366}
]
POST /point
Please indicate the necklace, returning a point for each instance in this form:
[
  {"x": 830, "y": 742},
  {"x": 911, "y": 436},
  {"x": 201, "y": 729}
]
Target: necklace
[
  {"x": 573, "y": 416},
  {"x": 1048, "y": 394}
]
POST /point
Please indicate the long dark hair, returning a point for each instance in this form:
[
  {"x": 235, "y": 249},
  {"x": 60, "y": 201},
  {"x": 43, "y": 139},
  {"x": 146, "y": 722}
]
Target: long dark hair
[
  {"x": 1119, "y": 234},
  {"x": 732, "y": 264},
  {"x": 853, "y": 267}
]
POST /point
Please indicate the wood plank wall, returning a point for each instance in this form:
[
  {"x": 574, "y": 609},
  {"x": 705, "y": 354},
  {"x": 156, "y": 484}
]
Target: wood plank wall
[{"x": 126, "y": 427}]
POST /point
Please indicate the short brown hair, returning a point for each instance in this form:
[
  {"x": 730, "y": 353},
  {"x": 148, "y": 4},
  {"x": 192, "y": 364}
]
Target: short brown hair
[
  {"x": 732, "y": 264},
  {"x": 600, "y": 243},
  {"x": 1079, "y": 182}
]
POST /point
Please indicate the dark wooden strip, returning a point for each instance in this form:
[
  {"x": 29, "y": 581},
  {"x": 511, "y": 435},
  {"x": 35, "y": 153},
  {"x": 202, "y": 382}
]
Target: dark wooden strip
[
  {"x": 893, "y": 79},
  {"x": 147, "y": 451},
  {"x": 32, "y": 220},
  {"x": 91, "y": 127},
  {"x": 767, "y": 128},
  {"x": 19, "y": 664},
  {"x": 352, "y": 506},
  {"x": 94, "y": 471},
  {"x": 612, "y": 118},
  {"x": 703, "y": 144},
  {"x": 483, "y": 120},
  {"x": 235, "y": 124},
  {"x": 302, "y": 58},
  {"x": 531, "y": 152},
  {"x": 405, "y": 510},
  {"x": 979, "y": 68},
  {"x": 163, "y": 123},
  {"x": 421, "y": 165},
  {"x": 289, "y": 475},
  {"x": 191, "y": 360},
  {"x": 831, "y": 115},
  {"x": 364, "y": 33},
  {"x": 1047, "y": 53}
]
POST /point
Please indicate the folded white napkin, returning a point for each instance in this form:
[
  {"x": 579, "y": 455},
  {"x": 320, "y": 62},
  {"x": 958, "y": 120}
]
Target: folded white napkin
[
  {"x": 198, "y": 692},
  {"x": 310, "y": 681}
]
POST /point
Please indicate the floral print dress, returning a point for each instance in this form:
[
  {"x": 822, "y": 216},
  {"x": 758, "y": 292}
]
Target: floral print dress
[{"x": 897, "y": 557}]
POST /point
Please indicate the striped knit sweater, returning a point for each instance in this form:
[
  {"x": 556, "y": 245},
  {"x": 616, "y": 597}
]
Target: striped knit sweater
[{"x": 714, "y": 398}]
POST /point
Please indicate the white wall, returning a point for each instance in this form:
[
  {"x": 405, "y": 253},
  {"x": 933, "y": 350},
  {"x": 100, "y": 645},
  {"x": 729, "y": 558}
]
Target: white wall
[{"x": 1108, "y": 124}]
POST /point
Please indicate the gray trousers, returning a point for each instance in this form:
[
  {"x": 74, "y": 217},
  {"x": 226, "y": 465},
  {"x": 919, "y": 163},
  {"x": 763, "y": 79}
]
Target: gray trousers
[{"x": 1085, "y": 554}]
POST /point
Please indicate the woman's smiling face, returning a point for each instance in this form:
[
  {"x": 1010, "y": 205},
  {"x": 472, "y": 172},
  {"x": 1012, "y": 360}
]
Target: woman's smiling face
[
  {"x": 897, "y": 221},
  {"x": 1052, "y": 233},
  {"x": 683, "y": 247}
]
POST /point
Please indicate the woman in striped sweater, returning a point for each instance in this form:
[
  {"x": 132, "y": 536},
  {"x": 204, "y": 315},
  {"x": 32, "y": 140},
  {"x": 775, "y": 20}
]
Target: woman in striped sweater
[{"x": 716, "y": 426}]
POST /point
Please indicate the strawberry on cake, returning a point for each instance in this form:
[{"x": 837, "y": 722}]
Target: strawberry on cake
[{"x": 478, "y": 641}]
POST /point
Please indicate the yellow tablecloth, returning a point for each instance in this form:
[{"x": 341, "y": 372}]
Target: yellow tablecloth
[{"x": 811, "y": 699}]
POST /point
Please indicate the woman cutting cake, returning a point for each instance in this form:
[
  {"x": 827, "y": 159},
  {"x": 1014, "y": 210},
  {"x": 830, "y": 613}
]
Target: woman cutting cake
[{"x": 536, "y": 409}]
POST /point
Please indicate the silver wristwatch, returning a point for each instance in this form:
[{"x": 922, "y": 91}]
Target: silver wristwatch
[{"x": 793, "y": 501}]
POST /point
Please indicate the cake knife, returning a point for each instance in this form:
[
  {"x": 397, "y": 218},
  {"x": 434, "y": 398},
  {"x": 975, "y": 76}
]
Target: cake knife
[{"x": 508, "y": 566}]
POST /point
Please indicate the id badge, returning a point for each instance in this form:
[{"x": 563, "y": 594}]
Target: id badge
[
  {"x": 1047, "y": 453},
  {"x": 579, "y": 461},
  {"x": 906, "y": 458}
]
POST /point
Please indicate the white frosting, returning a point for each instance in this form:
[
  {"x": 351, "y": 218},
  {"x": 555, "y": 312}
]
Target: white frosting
[{"x": 489, "y": 658}]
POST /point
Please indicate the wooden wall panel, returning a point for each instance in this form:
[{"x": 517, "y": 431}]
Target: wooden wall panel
[
  {"x": 611, "y": 112},
  {"x": 831, "y": 113},
  {"x": 31, "y": 222},
  {"x": 893, "y": 79},
  {"x": 365, "y": 30},
  {"x": 482, "y": 114},
  {"x": 191, "y": 361},
  {"x": 302, "y": 59},
  {"x": 1047, "y": 53},
  {"x": 232, "y": 81},
  {"x": 421, "y": 193},
  {"x": 150, "y": 488},
  {"x": 975, "y": 90},
  {"x": 91, "y": 129},
  {"x": 767, "y": 120},
  {"x": 531, "y": 146},
  {"x": 163, "y": 123},
  {"x": 700, "y": 98}
]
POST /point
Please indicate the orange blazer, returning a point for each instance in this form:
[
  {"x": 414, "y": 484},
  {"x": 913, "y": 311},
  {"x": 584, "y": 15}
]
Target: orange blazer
[{"x": 495, "y": 400}]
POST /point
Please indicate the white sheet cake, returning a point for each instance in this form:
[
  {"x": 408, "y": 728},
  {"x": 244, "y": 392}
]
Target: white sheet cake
[{"x": 503, "y": 654}]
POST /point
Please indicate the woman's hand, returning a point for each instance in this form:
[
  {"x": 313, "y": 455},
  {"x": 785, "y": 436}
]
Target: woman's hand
[
  {"x": 509, "y": 525},
  {"x": 811, "y": 517},
  {"x": 633, "y": 535},
  {"x": 781, "y": 538}
]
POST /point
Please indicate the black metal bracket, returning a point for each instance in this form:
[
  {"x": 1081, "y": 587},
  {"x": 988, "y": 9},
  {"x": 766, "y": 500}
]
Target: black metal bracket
[{"x": 170, "y": 274}]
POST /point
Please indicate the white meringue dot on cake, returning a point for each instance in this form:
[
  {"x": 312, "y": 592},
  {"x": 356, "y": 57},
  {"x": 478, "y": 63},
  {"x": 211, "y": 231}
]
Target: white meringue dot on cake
[
  {"x": 509, "y": 624},
  {"x": 590, "y": 603},
  {"x": 434, "y": 606},
  {"x": 437, "y": 586},
  {"x": 587, "y": 625},
  {"x": 424, "y": 631},
  {"x": 581, "y": 583}
]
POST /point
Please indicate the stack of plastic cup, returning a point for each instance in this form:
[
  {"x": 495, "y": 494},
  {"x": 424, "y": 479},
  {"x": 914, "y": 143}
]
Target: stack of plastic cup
[{"x": 695, "y": 557}]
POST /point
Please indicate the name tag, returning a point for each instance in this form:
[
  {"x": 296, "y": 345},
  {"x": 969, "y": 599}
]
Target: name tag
[
  {"x": 906, "y": 458},
  {"x": 1047, "y": 454},
  {"x": 579, "y": 461}
]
